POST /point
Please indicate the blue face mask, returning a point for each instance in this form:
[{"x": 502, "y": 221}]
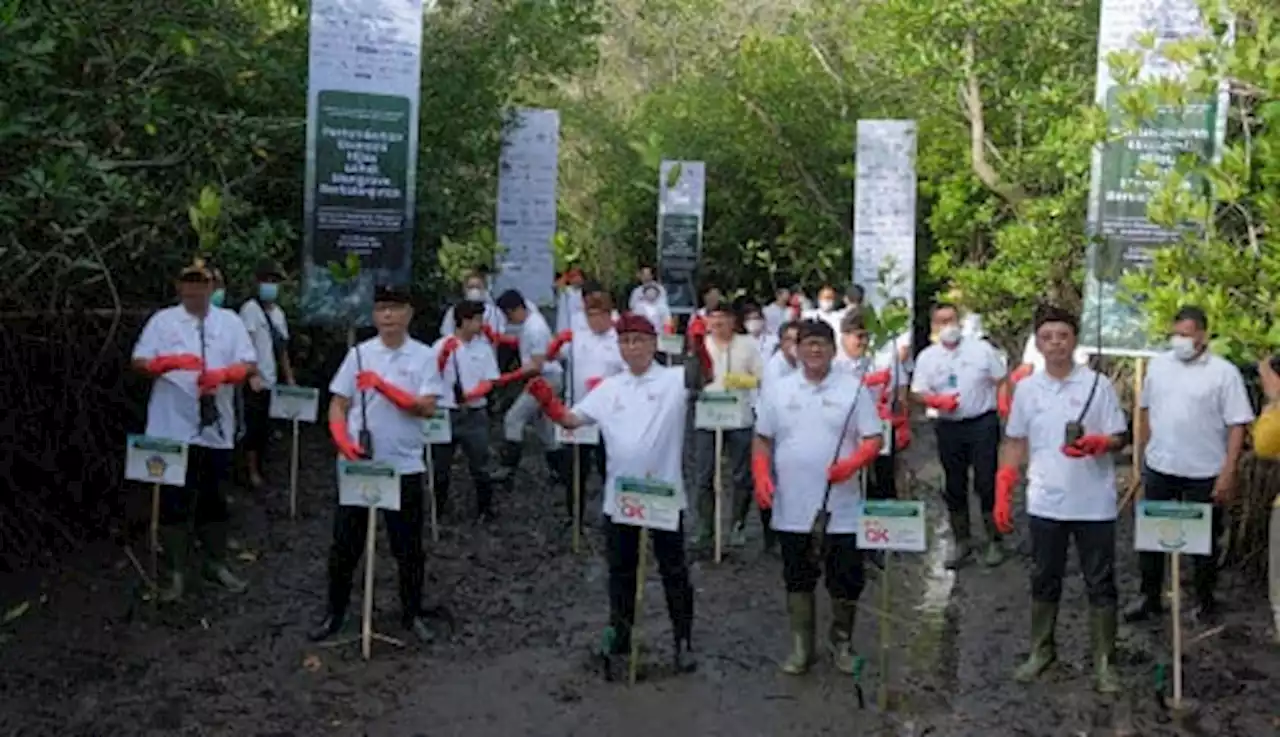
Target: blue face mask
[
  {"x": 219, "y": 296},
  {"x": 268, "y": 292}
]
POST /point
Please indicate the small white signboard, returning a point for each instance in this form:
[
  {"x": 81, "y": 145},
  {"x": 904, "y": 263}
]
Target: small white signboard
[
  {"x": 671, "y": 344},
  {"x": 891, "y": 524},
  {"x": 300, "y": 403},
  {"x": 370, "y": 484},
  {"x": 155, "y": 460},
  {"x": 585, "y": 435},
  {"x": 1173, "y": 527},
  {"x": 647, "y": 502},
  {"x": 436, "y": 429},
  {"x": 722, "y": 411}
]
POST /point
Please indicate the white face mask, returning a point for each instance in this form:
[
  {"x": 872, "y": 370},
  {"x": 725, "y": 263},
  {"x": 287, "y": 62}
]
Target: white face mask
[
  {"x": 475, "y": 295},
  {"x": 1184, "y": 348},
  {"x": 825, "y": 305},
  {"x": 755, "y": 327},
  {"x": 950, "y": 335}
]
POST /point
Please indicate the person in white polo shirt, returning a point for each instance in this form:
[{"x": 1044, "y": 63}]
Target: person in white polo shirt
[
  {"x": 956, "y": 380},
  {"x": 269, "y": 331},
  {"x": 1065, "y": 425},
  {"x": 755, "y": 324},
  {"x": 641, "y": 414},
  {"x": 464, "y": 361},
  {"x": 737, "y": 367},
  {"x": 1195, "y": 412},
  {"x": 783, "y": 361},
  {"x": 778, "y": 312},
  {"x": 883, "y": 375},
  {"x": 815, "y": 432},
  {"x": 195, "y": 353},
  {"x": 382, "y": 390}
]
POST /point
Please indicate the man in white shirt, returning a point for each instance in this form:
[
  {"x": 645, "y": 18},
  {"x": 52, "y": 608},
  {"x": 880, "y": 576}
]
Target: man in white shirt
[
  {"x": 756, "y": 326},
  {"x": 382, "y": 390},
  {"x": 828, "y": 311},
  {"x": 195, "y": 354},
  {"x": 816, "y": 431},
  {"x": 646, "y": 278},
  {"x": 1195, "y": 412},
  {"x": 475, "y": 289},
  {"x": 783, "y": 361},
  {"x": 884, "y": 377},
  {"x": 956, "y": 379},
  {"x": 778, "y": 312},
  {"x": 641, "y": 414},
  {"x": 736, "y": 362},
  {"x": 652, "y": 305},
  {"x": 269, "y": 332},
  {"x": 1065, "y": 425},
  {"x": 464, "y": 361}
]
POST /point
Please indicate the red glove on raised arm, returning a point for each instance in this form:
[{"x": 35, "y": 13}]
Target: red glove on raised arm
[
  {"x": 553, "y": 348},
  {"x": 209, "y": 381},
  {"x": 511, "y": 377},
  {"x": 1006, "y": 478},
  {"x": 1089, "y": 445},
  {"x": 447, "y": 349},
  {"x": 592, "y": 382},
  {"x": 762, "y": 475},
  {"x": 1021, "y": 373},
  {"x": 877, "y": 378},
  {"x": 498, "y": 338},
  {"x": 901, "y": 433},
  {"x": 479, "y": 391},
  {"x": 342, "y": 439},
  {"x": 942, "y": 402},
  {"x": 844, "y": 469},
  {"x": 551, "y": 405},
  {"x": 371, "y": 381},
  {"x": 1004, "y": 401},
  {"x": 161, "y": 365}
]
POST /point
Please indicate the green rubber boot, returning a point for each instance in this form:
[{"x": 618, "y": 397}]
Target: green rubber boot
[
  {"x": 177, "y": 547},
  {"x": 803, "y": 620},
  {"x": 1044, "y": 618},
  {"x": 843, "y": 614},
  {"x": 962, "y": 547},
  {"x": 993, "y": 553},
  {"x": 1102, "y": 633}
]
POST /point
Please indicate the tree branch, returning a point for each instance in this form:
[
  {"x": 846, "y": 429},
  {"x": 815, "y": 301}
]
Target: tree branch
[{"x": 971, "y": 97}]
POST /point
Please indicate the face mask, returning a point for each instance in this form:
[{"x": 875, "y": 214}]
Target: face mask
[
  {"x": 219, "y": 296},
  {"x": 1184, "y": 348},
  {"x": 950, "y": 335},
  {"x": 825, "y": 305},
  {"x": 475, "y": 295},
  {"x": 268, "y": 292},
  {"x": 755, "y": 326}
]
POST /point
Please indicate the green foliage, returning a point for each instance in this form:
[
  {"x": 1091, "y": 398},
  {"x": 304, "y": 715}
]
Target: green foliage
[{"x": 457, "y": 258}]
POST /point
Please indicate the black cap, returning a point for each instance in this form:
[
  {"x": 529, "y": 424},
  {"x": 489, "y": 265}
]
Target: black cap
[
  {"x": 815, "y": 329},
  {"x": 392, "y": 294},
  {"x": 269, "y": 270}
]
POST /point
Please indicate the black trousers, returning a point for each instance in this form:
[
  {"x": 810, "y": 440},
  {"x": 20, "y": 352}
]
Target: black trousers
[
  {"x": 622, "y": 550},
  {"x": 257, "y": 420},
  {"x": 200, "y": 504},
  {"x": 969, "y": 444},
  {"x": 1161, "y": 487},
  {"x": 1096, "y": 548},
  {"x": 404, "y": 530},
  {"x": 841, "y": 563},
  {"x": 470, "y": 431}
]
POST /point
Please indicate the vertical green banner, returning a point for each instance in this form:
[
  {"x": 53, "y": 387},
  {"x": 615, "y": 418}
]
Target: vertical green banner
[{"x": 681, "y": 195}]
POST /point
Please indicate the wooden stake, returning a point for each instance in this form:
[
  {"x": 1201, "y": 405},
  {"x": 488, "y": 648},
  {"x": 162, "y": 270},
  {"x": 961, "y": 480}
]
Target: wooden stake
[
  {"x": 641, "y": 565},
  {"x": 431, "y": 489},
  {"x": 155, "y": 532},
  {"x": 1135, "y": 481},
  {"x": 293, "y": 473},
  {"x": 1175, "y": 566},
  {"x": 366, "y": 626},
  {"x": 577, "y": 499},
  {"x": 719, "y": 532}
]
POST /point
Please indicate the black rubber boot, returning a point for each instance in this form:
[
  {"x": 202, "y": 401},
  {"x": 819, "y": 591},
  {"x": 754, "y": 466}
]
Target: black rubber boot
[
  {"x": 1146, "y": 607},
  {"x": 962, "y": 546},
  {"x": 680, "y": 611},
  {"x": 328, "y": 628}
]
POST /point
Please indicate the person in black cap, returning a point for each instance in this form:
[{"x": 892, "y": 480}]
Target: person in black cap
[
  {"x": 269, "y": 330},
  {"x": 195, "y": 353},
  {"x": 383, "y": 389}
]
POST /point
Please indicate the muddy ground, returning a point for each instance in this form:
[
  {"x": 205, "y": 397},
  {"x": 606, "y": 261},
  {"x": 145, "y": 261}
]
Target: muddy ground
[{"x": 90, "y": 659}]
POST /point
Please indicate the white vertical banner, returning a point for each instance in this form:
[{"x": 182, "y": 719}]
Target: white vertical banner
[
  {"x": 884, "y": 211},
  {"x": 681, "y": 201},
  {"x": 526, "y": 214},
  {"x": 363, "y": 89}
]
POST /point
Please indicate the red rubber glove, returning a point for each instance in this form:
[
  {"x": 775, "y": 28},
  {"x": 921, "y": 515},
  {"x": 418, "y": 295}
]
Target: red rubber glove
[
  {"x": 1021, "y": 373},
  {"x": 370, "y": 380},
  {"x": 511, "y": 377},
  {"x": 696, "y": 333},
  {"x": 1088, "y": 446},
  {"x": 551, "y": 405},
  {"x": 498, "y": 338},
  {"x": 592, "y": 382},
  {"x": 901, "y": 435},
  {"x": 209, "y": 381},
  {"x": 877, "y": 378},
  {"x": 1006, "y": 478},
  {"x": 1004, "y": 400},
  {"x": 762, "y": 475},
  {"x": 669, "y": 327},
  {"x": 844, "y": 469},
  {"x": 342, "y": 439},
  {"x": 479, "y": 391},
  {"x": 161, "y": 365},
  {"x": 553, "y": 348},
  {"x": 447, "y": 349},
  {"x": 942, "y": 402}
]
